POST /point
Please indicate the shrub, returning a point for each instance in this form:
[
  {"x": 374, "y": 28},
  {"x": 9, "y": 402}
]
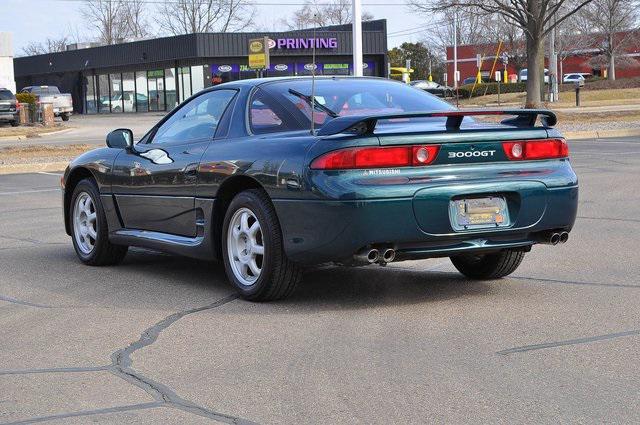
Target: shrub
[
  {"x": 490, "y": 88},
  {"x": 29, "y": 98}
]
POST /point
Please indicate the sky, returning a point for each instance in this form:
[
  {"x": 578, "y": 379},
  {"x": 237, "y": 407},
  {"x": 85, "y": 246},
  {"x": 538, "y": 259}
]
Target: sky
[{"x": 35, "y": 20}]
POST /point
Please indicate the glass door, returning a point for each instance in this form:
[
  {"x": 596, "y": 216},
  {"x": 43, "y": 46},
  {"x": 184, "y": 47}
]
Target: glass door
[{"x": 155, "y": 88}]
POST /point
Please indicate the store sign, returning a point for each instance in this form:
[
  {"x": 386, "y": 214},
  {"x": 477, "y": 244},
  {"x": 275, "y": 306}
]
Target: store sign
[
  {"x": 225, "y": 68},
  {"x": 259, "y": 53},
  {"x": 306, "y": 43},
  {"x": 281, "y": 67}
]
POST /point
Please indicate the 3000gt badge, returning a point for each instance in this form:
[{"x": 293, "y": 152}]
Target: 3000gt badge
[{"x": 470, "y": 154}]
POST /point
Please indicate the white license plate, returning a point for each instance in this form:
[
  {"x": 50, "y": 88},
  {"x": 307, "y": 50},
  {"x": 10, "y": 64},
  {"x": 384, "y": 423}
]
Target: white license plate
[{"x": 479, "y": 213}]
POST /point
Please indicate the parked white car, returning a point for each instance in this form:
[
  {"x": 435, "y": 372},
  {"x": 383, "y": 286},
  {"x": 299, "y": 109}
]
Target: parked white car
[
  {"x": 575, "y": 76},
  {"x": 62, "y": 102}
]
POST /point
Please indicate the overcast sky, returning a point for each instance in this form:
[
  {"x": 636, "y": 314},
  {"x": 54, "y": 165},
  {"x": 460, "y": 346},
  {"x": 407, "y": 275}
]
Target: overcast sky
[{"x": 35, "y": 20}]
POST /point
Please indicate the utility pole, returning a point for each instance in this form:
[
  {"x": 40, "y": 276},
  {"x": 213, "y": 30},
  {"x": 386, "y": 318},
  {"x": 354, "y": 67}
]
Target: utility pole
[
  {"x": 356, "y": 30},
  {"x": 455, "y": 49}
]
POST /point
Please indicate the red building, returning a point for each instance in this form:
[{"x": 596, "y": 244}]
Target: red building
[{"x": 587, "y": 59}]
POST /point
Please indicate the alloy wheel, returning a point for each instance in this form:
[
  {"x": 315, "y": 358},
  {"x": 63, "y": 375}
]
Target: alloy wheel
[
  {"x": 85, "y": 225},
  {"x": 245, "y": 246}
]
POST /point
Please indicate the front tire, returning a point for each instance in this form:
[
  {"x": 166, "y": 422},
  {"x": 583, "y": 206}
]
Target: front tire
[
  {"x": 15, "y": 123},
  {"x": 88, "y": 225},
  {"x": 254, "y": 258},
  {"x": 488, "y": 266}
]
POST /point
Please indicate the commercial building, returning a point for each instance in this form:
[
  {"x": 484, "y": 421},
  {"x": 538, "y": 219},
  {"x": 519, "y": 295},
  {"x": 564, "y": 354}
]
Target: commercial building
[
  {"x": 157, "y": 74},
  {"x": 581, "y": 55},
  {"x": 6, "y": 62}
]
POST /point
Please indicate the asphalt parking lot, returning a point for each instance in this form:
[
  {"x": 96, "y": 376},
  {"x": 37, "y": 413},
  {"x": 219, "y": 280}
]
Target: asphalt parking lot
[{"x": 161, "y": 339}]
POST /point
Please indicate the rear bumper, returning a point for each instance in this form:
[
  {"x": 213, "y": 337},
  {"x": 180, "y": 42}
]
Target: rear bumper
[
  {"x": 65, "y": 110},
  {"x": 323, "y": 231}
]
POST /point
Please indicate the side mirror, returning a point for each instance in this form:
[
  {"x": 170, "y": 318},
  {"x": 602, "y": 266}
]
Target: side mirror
[{"x": 121, "y": 138}]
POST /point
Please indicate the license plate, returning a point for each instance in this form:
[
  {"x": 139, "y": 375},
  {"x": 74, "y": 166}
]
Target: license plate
[{"x": 479, "y": 213}]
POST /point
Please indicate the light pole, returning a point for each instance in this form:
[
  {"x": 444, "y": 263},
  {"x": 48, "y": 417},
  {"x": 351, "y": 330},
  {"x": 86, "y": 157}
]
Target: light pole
[
  {"x": 356, "y": 13},
  {"x": 455, "y": 50}
]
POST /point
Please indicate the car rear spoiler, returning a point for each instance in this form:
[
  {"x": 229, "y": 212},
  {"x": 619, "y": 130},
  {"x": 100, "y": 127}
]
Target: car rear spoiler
[{"x": 365, "y": 124}]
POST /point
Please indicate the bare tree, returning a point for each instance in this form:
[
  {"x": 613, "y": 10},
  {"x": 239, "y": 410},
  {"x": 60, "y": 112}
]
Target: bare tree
[
  {"x": 535, "y": 17},
  {"x": 193, "y": 16},
  {"x": 135, "y": 13},
  {"x": 571, "y": 40},
  {"x": 613, "y": 26},
  {"x": 335, "y": 12},
  {"x": 472, "y": 28},
  {"x": 107, "y": 18},
  {"x": 49, "y": 45}
]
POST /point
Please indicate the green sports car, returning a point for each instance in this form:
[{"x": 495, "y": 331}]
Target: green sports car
[{"x": 272, "y": 175}]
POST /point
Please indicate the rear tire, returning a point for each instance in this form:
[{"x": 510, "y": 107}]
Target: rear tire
[
  {"x": 65, "y": 117},
  {"x": 15, "y": 123},
  {"x": 252, "y": 249},
  {"x": 89, "y": 231},
  {"x": 488, "y": 266}
]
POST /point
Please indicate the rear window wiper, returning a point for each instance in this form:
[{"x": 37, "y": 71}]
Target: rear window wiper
[{"x": 314, "y": 102}]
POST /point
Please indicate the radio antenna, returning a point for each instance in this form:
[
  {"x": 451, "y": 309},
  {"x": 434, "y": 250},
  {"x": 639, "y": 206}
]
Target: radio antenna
[{"x": 313, "y": 76}]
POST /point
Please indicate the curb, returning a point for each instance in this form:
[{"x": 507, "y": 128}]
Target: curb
[
  {"x": 33, "y": 168},
  {"x": 601, "y": 134},
  {"x": 37, "y": 135}
]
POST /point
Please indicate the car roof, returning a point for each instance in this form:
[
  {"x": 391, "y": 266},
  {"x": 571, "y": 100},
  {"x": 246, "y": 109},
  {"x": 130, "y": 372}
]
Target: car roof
[{"x": 255, "y": 82}]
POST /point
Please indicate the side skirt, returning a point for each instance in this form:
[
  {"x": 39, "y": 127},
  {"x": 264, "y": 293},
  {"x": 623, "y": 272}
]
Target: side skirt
[{"x": 201, "y": 246}]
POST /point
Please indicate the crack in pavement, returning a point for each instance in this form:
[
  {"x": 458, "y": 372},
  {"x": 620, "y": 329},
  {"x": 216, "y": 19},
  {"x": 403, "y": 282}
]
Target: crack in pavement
[
  {"x": 122, "y": 367},
  {"x": 82, "y": 413},
  {"x": 21, "y": 302},
  {"x": 576, "y": 341},
  {"x": 54, "y": 370}
]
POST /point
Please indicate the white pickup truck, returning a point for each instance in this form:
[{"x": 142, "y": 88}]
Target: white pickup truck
[{"x": 62, "y": 102}]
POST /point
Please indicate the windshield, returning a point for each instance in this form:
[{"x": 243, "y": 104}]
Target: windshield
[
  {"x": 6, "y": 95},
  {"x": 348, "y": 96}
]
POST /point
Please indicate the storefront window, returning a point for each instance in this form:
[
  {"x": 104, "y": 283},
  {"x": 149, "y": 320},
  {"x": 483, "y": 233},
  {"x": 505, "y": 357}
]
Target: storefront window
[
  {"x": 103, "y": 94},
  {"x": 128, "y": 92},
  {"x": 90, "y": 97},
  {"x": 142, "y": 95},
  {"x": 247, "y": 73},
  {"x": 185, "y": 83},
  {"x": 198, "y": 78},
  {"x": 170, "y": 89},
  {"x": 336, "y": 69},
  {"x": 155, "y": 87},
  {"x": 281, "y": 70},
  {"x": 224, "y": 73},
  {"x": 115, "y": 81}
]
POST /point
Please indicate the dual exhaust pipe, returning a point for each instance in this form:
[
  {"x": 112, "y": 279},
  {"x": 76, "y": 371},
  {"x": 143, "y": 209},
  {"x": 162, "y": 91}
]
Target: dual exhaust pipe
[
  {"x": 553, "y": 238},
  {"x": 373, "y": 255}
]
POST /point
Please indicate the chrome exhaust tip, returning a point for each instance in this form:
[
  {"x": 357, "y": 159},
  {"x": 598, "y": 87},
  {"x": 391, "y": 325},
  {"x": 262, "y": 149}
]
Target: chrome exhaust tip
[
  {"x": 564, "y": 237},
  {"x": 554, "y": 239},
  {"x": 389, "y": 255},
  {"x": 373, "y": 256}
]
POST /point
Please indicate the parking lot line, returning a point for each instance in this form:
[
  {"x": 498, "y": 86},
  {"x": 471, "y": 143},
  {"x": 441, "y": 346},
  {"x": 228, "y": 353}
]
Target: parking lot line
[{"x": 29, "y": 191}]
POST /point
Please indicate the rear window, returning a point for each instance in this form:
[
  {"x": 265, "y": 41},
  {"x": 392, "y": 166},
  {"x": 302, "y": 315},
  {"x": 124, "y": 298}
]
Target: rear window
[
  {"x": 45, "y": 90},
  {"x": 6, "y": 95},
  {"x": 285, "y": 105}
]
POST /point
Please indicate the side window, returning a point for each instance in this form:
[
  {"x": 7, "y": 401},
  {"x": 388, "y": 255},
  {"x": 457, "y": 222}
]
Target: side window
[
  {"x": 196, "y": 120},
  {"x": 267, "y": 117}
]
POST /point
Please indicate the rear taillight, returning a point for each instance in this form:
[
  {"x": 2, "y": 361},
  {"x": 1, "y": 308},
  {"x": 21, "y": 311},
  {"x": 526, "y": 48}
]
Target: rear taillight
[
  {"x": 536, "y": 149},
  {"x": 395, "y": 156}
]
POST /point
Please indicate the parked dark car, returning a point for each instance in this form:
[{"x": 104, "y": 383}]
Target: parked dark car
[
  {"x": 9, "y": 108},
  {"x": 433, "y": 88},
  {"x": 268, "y": 178}
]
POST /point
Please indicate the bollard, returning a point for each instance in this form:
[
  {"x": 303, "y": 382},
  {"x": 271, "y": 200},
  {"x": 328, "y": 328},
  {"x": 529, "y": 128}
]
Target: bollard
[{"x": 578, "y": 84}]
